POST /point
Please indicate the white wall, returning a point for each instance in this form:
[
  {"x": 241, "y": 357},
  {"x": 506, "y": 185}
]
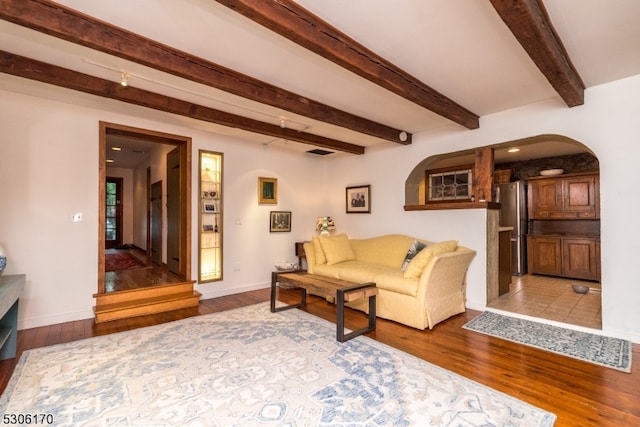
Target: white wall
[
  {"x": 139, "y": 208},
  {"x": 48, "y": 170}
]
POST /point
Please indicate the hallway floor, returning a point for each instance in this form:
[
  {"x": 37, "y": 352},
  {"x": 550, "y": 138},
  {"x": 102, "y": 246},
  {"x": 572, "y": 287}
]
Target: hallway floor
[
  {"x": 152, "y": 275},
  {"x": 553, "y": 298}
]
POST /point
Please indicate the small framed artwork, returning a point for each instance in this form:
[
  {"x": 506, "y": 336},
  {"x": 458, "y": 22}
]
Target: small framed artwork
[
  {"x": 267, "y": 191},
  {"x": 207, "y": 227},
  {"x": 359, "y": 199},
  {"x": 280, "y": 221},
  {"x": 209, "y": 208}
]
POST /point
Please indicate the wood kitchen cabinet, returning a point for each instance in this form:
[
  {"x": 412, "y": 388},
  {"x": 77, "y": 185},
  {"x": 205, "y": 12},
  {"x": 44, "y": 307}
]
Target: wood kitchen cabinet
[
  {"x": 580, "y": 258},
  {"x": 566, "y": 256},
  {"x": 544, "y": 255},
  {"x": 573, "y": 196}
]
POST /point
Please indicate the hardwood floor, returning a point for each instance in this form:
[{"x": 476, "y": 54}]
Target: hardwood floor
[
  {"x": 150, "y": 275},
  {"x": 579, "y": 393}
]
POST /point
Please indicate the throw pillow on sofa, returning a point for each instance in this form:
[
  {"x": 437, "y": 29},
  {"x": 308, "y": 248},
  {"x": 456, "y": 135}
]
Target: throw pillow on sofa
[
  {"x": 420, "y": 261},
  {"x": 337, "y": 249},
  {"x": 415, "y": 248},
  {"x": 317, "y": 249}
]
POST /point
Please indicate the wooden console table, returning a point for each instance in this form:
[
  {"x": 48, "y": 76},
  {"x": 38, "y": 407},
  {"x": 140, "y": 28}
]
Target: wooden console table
[
  {"x": 11, "y": 288},
  {"x": 341, "y": 290}
]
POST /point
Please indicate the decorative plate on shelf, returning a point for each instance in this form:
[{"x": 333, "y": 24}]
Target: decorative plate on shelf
[{"x": 552, "y": 172}]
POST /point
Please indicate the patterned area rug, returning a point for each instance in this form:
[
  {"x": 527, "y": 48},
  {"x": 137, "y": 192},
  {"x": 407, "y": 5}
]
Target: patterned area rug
[
  {"x": 250, "y": 367},
  {"x": 121, "y": 261},
  {"x": 610, "y": 352}
]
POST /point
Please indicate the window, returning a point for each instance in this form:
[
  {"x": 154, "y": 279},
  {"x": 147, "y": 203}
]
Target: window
[{"x": 450, "y": 184}]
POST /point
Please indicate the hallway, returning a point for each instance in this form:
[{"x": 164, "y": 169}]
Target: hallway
[{"x": 553, "y": 298}]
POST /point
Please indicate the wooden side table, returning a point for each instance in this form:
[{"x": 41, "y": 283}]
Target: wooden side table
[{"x": 300, "y": 254}]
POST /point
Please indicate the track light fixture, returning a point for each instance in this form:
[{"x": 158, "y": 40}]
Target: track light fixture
[{"x": 123, "y": 80}]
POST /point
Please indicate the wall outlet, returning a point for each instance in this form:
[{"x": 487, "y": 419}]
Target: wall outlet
[{"x": 77, "y": 217}]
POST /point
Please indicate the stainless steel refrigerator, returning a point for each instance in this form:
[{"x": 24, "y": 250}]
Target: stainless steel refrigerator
[{"x": 513, "y": 213}]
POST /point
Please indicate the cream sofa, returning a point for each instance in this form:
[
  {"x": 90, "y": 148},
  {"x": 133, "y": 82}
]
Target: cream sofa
[{"x": 417, "y": 287}]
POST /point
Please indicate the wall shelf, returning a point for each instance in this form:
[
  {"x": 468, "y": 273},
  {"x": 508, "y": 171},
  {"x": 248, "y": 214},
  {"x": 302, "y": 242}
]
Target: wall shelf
[
  {"x": 452, "y": 205},
  {"x": 210, "y": 217}
]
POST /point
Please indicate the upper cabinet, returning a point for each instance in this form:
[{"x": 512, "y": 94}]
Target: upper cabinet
[{"x": 564, "y": 197}]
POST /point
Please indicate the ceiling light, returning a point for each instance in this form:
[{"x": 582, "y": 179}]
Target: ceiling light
[
  {"x": 123, "y": 80},
  {"x": 116, "y": 148},
  {"x": 403, "y": 136},
  {"x": 513, "y": 150},
  {"x": 109, "y": 160},
  {"x": 282, "y": 124}
]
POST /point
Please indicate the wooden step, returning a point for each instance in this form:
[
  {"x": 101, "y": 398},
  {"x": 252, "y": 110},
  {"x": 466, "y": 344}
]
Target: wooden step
[
  {"x": 140, "y": 302},
  {"x": 152, "y": 291}
]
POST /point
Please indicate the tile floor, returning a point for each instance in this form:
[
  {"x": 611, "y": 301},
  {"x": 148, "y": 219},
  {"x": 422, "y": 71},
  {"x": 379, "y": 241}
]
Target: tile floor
[{"x": 553, "y": 298}]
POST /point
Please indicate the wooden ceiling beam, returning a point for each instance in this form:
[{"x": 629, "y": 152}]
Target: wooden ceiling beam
[
  {"x": 297, "y": 24},
  {"x": 52, "y": 74},
  {"x": 73, "y": 26},
  {"x": 530, "y": 24}
]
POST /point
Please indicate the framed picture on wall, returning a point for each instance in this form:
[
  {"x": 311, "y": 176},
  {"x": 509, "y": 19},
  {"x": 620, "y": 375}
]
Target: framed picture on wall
[
  {"x": 267, "y": 191},
  {"x": 358, "y": 199},
  {"x": 280, "y": 221}
]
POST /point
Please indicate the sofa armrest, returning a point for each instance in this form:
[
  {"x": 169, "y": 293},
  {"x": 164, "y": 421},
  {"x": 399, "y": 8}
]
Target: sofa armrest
[
  {"x": 443, "y": 285},
  {"x": 310, "y": 255}
]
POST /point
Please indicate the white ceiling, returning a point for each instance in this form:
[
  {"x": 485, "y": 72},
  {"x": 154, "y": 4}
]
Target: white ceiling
[{"x": 460, "y": 48}]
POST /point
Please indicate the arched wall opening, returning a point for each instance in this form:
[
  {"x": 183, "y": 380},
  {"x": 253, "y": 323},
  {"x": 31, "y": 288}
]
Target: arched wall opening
[{"x": 534, "y": 155}]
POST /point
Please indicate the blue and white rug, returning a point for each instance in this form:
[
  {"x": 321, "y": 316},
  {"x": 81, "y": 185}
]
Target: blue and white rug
[
  {"x": 250, "y": 367},
  {"x": 606, "y": 351}
]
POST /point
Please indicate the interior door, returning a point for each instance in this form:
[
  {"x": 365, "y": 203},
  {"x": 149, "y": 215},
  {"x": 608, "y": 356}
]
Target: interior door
[
  {"x": 113, "y": 213},
  {"x": 156, "y": 223},
  {"x": 173, "y": 211}
]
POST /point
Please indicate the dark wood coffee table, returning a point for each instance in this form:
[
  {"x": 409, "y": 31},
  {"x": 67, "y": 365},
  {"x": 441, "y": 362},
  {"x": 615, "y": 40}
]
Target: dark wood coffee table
[{"x": 341, "y": 290}]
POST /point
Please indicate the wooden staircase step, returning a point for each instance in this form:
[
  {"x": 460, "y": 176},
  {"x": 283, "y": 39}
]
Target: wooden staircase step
[
  {"x": 148, "y": 292},
  {"x": 140, "y": 302}
]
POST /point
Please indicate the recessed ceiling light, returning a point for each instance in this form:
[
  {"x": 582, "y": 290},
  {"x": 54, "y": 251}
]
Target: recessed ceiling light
[
  {"x": 116, "y": 148},
  {"x": 109, "y": 160},
  {"x": 513, "y": 150}
]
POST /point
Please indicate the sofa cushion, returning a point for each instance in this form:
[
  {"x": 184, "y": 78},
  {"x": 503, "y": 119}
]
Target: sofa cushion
[
  {"x": 358, "y": 271},
  {"x": 420, "y": 261},
  {"x": 414, "y": 249},
  {"x": 394, "y": 280},
  {"x": 337, "y": 249},
  {"x": 317, "y": 249},
  {"x": 388, "y": 250}
]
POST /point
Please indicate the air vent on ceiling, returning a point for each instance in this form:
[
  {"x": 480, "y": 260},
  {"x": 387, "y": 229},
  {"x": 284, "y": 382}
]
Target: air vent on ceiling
[{"x": 319, "y": 152}]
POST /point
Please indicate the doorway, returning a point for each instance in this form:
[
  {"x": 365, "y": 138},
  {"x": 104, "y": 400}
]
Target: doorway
[
  {"x": 142, "y": 175},
  {"x": 113, "y": 213},
  {"x": 528, "y": 293}
]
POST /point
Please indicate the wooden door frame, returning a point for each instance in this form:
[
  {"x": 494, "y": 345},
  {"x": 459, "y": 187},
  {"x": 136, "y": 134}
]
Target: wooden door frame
[{"x": 184, "y": 143}]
